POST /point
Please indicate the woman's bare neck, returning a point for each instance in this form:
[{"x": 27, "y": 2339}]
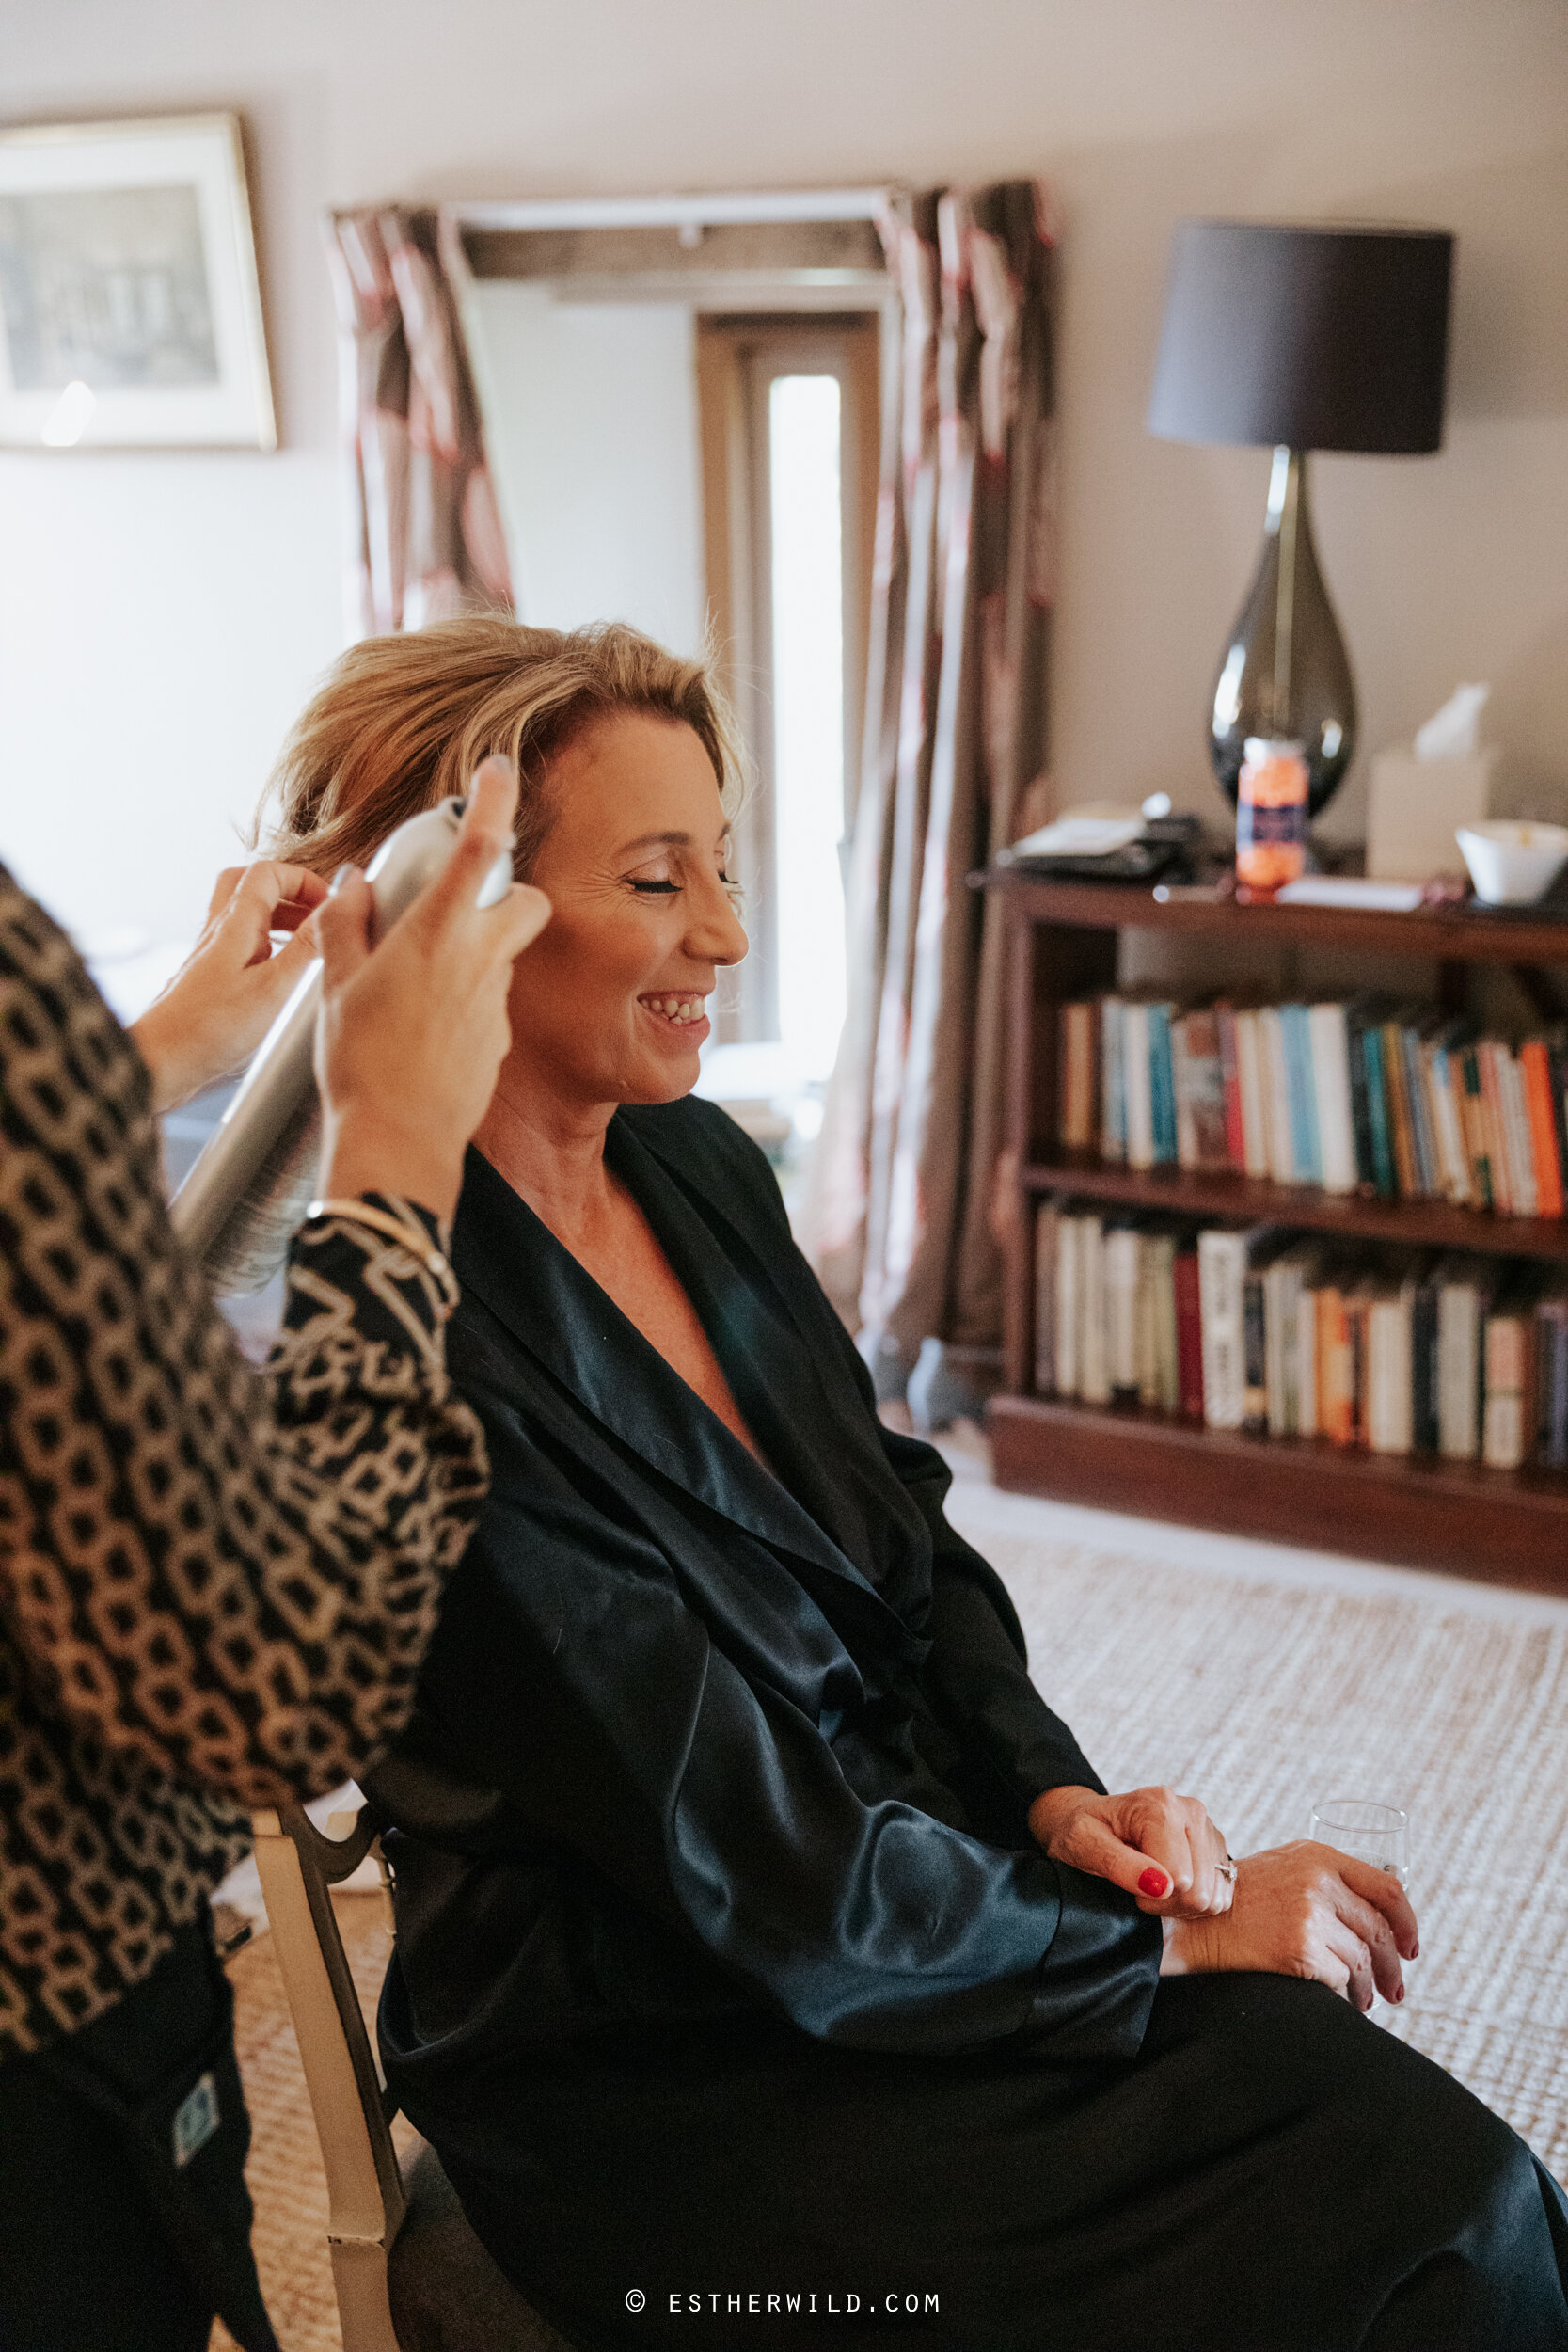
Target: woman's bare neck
[{"x": 551, "y": 1153}]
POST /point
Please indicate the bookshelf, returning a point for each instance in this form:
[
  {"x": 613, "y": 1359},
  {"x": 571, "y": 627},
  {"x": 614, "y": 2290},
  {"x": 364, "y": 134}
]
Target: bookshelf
[{"x": 1510, "y": 1526}]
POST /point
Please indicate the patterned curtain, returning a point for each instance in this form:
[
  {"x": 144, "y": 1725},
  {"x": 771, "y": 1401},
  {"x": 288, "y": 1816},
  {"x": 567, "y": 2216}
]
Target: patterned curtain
[
  {"x": 426, "y": 528},
  {"x": 899, "y": 1217}
]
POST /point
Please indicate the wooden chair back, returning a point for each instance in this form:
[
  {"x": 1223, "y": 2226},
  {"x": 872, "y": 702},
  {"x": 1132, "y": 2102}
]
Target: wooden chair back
[{"x": 438, "y": 2291}]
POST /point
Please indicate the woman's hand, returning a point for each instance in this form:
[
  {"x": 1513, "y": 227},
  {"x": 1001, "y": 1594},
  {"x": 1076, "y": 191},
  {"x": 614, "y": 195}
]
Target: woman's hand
[
  {"x": 1306, "y": 1911},
  {"x": 224, "y": 996},
  {"x": 414, "y": 1031},
  {"x": 1156, "y": 1845}
]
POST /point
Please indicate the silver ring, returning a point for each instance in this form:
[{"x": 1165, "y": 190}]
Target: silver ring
[{"x": 1227, "y": 1870}]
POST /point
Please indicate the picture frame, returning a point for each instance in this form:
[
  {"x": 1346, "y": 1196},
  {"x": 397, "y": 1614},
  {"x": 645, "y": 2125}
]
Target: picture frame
[{"x": 129, "y": 306}]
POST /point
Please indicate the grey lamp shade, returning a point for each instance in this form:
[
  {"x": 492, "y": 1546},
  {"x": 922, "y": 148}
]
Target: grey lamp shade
[{"x": 1310, "y": 338}]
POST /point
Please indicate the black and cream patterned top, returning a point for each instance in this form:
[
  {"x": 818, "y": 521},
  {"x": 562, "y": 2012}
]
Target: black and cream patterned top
[{"x": 217, "y": 1584}]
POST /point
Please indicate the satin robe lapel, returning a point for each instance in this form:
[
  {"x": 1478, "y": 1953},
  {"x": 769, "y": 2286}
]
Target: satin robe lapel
[
  {"x": 780, "y": 1346},
  {"x": 560, "y": 1317},
  {"x": 803, "y": 1307}
]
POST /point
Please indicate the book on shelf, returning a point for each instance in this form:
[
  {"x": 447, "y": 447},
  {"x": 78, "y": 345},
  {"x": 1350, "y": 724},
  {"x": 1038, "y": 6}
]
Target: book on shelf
[
  {"x": 1123, "y": 1354},
  {"x": 1078, "y": 1126},
  {"x": 1280, "y": 1142},
  {"x": 1491, "y": 1120},
  {"x": 1233, "y": 1369},
  {"x": 1279, "y": 1334},
  {"x": 1290, "y": 1342},
  {"x": 1328, "y": 1084},
  {"x": 1198, "y": 1079},
  {"x": 1551, "y": 1379},
  {"x": 1398, "y": 1102},
  {"x": 1047, "y": 1217},
  {"x": 1162, "y": 1083},
  {"x": 1368, "y": 1037},
  {"x": 1336, "y": 1333},
  {"x": 1464, "y": 1288},
  {"x": 1301, "y": 1095},
  {"x": 1425, "y": 1392},
  {"x": 1157, "y": 1316},
  {"x": 1142, "y": 1039},
  {"x": 1508, "y": 1386},
  {"x": 1230, "y": 1080},
  {"x": 1141, "y": 1359},
  {"x": 1401, "y": 1129},
  {"x": 1187, "y": 1304},
  {"x": 1390, "y": 1364},
  {"x": 1547, "y": 1112},
  {"x": 1113, "y": 1094},
  {"x": 1094, "y": 1365}
]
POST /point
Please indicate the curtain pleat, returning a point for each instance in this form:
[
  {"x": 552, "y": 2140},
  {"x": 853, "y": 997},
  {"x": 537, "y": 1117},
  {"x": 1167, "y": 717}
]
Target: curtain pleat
[
  {"x": 898, "y": 1217},
  {"x": 425, "y": 532}
]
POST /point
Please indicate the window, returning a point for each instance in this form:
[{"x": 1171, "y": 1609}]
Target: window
[
  {"x": 788, "y": 413},
  {"x": 806, "y": 592}
]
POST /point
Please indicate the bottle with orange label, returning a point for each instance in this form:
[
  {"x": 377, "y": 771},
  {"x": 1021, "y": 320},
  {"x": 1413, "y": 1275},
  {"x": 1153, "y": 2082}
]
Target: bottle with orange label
[{"x": 1270, "y": 816}]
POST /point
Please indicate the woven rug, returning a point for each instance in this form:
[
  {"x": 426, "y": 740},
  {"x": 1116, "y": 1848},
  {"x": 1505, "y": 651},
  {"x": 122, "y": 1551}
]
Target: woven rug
[
  {"x": 1258, "y": 1680},
  {"x": 1264, "y": 1693}
]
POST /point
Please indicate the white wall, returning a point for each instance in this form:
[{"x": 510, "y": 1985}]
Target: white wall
[{"x": 160, "y": 616}]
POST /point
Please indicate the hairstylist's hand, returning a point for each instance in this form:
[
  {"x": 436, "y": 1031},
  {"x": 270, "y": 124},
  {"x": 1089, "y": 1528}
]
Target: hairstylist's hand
[
  {"x": 1152, "y": 1843},
  {"x": 414, "y": 1031},
  {"x": 224, "y": 996},
  {"x": 1306, "y": 1911}
]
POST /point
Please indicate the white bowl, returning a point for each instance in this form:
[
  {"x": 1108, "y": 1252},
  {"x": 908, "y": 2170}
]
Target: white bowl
[{"x": 1512, "y": 861}]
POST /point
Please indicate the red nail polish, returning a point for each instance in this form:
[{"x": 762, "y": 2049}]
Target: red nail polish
[
  {"x": 1399, "y": 1995},
  {"x": 1415, "y": 1951},
  {"x": 1153, "y": 1883}
]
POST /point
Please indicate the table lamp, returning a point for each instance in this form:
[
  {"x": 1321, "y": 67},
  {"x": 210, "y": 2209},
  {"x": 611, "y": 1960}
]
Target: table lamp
[{"x": 1299, "y": 338}]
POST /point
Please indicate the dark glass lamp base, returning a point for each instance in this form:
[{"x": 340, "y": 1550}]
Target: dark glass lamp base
[{"x": 1286, "y": 673}]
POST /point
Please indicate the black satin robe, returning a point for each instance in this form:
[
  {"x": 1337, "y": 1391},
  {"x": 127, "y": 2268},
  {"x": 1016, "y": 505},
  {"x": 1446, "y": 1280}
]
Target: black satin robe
[{"x": 725, "y": 1962}]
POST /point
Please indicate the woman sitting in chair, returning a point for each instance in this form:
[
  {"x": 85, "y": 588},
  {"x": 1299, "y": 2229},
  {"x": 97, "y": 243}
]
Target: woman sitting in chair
[{"x": 765, "y": 1945}]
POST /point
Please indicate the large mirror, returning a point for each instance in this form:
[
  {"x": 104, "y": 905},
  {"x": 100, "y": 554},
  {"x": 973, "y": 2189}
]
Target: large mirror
[{"x": 681, "y": 404}]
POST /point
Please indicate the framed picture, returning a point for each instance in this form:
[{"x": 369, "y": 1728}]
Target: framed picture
[{"x": 130, "y": 314}]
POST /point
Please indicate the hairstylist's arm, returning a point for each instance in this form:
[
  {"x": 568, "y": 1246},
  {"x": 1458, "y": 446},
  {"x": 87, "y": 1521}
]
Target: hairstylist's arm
[
  {"x": 413, "y": 1031},
  {"x": 230, "y": 990},
  {"x": 285, "y": 1537}
]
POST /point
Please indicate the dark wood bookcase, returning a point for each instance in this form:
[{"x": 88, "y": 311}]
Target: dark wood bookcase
[{"x": 1511, "y": 1526}]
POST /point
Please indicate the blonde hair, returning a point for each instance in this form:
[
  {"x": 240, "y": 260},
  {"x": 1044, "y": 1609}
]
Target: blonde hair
[{"x": 399, "y": 723}]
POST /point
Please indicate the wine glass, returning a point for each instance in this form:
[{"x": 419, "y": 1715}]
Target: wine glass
[{"x": 1378, "y": 1833}]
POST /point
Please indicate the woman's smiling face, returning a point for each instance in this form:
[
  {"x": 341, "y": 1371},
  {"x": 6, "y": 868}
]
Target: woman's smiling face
[{"x": 610, "y": 1003}]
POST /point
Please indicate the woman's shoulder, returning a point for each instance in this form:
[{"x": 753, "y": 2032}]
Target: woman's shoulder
[{"x": 705, "y": 1145}]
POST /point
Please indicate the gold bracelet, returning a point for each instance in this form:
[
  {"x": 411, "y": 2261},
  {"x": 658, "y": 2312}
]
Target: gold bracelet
[{"x": 412, "y": 1238}]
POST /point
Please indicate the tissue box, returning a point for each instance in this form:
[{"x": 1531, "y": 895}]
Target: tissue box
[{"x": 1415, "y": 805}]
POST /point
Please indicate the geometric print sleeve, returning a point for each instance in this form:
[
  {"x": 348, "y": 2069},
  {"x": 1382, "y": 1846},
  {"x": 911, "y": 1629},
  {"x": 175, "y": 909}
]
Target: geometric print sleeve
[
  {"x": 234, "y": 1572},
  {"x": 212, "y": 1579}
]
